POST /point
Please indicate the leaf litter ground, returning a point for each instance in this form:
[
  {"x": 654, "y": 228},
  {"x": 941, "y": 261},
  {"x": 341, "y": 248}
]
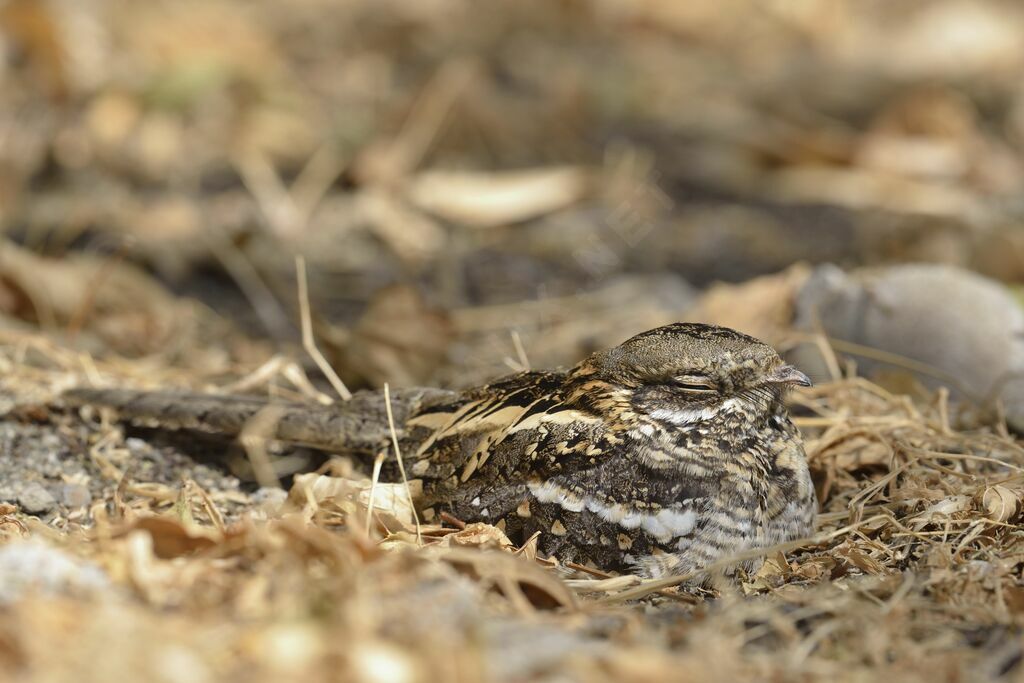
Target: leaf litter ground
[{"x": 147, "y": 563}]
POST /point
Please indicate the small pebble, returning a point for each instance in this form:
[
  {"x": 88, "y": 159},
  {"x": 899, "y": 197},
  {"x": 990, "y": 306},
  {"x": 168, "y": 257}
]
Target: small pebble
[
  {"x": 35, "y": 499},
  {"x": 269, "y": 499},
  {"x": 75, "y": 496}
]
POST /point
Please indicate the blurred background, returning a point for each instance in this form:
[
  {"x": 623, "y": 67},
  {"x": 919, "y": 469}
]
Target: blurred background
[
  {"x": 471, "y": 189},
  {"x": 481, "y": 189}
]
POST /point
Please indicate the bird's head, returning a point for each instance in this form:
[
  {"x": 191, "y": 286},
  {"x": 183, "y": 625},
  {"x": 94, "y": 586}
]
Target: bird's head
[{"x": 691, "y": 372}]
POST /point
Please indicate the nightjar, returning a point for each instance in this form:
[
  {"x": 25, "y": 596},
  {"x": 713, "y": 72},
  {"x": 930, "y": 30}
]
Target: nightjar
[{"x": 661, "y": 456}]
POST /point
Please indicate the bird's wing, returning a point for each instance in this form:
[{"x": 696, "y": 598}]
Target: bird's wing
[{"x": 497, "y": 433}]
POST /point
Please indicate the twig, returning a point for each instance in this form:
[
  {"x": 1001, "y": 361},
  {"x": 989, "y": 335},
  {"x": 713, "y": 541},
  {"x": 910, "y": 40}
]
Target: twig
[
  {"x": 263, "y": 182},
  {"x": 208, "y": 505},
  {"x": 297, "y": 376},
  {"x": 453, "y": 520},
  {"x": 828, "y": 354},
  {"x": 587, "y": 570},
  {"x": 249, "y": 280},
  {"x": 308, "y": 342},
  {"x": 313, "y": 182},
  {"x": 524, "y": 361},
  {"x": 259, "y": 429},
  {"x": 926, "y": 453},
  {"x": 900, "y": 361},
  {"x": 261, "y": 375},
  {"x": 404, "y": 152},
  {"x": 374, "y": 478},
  {"x": 401, "y": 464}
]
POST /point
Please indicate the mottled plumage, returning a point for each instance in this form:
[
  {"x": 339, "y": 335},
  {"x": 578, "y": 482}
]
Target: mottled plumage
[{"x": 661, "y": 455}]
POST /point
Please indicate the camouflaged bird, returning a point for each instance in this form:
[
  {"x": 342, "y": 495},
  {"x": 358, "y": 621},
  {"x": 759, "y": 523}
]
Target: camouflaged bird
[{"x": 661, "y": 455}]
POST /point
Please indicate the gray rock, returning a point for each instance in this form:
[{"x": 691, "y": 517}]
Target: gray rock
[
  {"x": 269, "y": 498},
  {"x": 34, "y": 567},
  {"x": 75, "y": 496},
  {"x": 35, "y": 499},
  {"x": 967, "y": 329},
  {"x": 520, "y": 650}
]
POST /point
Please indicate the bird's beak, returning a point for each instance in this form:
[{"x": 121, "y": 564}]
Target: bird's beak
[{"x": 787, "y": 374}]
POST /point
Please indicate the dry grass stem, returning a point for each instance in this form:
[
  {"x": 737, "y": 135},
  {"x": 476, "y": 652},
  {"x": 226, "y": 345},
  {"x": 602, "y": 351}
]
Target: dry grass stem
[
  {"x": 401, "y": 462},
  {"x": 308, "y": 338}
]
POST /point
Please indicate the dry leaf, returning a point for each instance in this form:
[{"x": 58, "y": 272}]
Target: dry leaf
[
  {"x": 763, "y": 307},
  {"x": 771, "y": 574},
  {"x": 114, "y": 301},
  {"x": 478, "y": 535},
  {"x": 400, "y": 339},
  {"x": 999, "y": 503},
  {"x": 519, "y": 580},
  {"x": 860, "y": 559},
  {"x": 860, "y": 452},
  {"x": 1014, "y": 597},
  {"x": 171, "y": 538},
  {"x": 36, "y": 30},
  {"x": 491, "y": 199},
  {"x": 814, "y": 568},
  {"x": 391, "y": 505},
  {"x": 942, "y": 511}
]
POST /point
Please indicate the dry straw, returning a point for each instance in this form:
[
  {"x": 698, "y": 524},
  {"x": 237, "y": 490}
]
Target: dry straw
[{"x": 914, "y": 570}]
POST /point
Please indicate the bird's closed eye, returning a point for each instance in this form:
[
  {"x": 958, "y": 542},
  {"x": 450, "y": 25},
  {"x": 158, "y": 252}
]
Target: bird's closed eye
[{"x": 694, "y": 383}]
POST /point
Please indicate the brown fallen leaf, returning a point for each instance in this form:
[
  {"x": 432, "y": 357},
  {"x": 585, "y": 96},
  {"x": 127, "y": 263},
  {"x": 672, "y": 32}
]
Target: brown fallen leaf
[
  {"x": 400, "y": 339},
  {"x": 814, "y": 568},
  {"x": 102, "y": 299},
  {"x": 477, "y": 535},
  {"x": 942, "y": 511},
  {"x": 10, "y": 525},
  {"x": 170, "y": 537},
  {"x": 35, "y": 29},
  {"x": 861, "y": 452},
  {"x": 526, "y": 585},
  {"x": 858, "y": 558},
  {"x": 998, "y": 502},
  {"x": 763, "y": 307},
  {"x": 772, "y": 573}
]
